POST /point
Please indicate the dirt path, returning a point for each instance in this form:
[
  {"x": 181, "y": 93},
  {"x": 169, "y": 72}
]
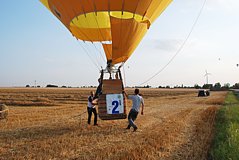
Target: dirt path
[{"x": 175, "y": 126}]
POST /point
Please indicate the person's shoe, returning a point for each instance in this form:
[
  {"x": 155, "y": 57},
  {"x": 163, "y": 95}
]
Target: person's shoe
[
  {"x": 95, "y": 124},
  {"x": 128, "y": 127},
  {"x": 135, "y": 129}
]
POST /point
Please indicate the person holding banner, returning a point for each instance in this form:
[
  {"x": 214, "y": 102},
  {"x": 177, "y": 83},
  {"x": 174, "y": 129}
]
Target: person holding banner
[
  {"x": 137, "y": 102},
  {"x": 91, "y": 108}
]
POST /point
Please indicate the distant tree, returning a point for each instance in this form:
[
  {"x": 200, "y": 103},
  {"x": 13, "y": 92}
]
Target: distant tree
[
  {"x": 217, "y": 85},
  {"x": 167, "y": 86},
  {"x": 236, "y": 86},
  {"x": 51, "y": 86},
  {"x": 147, "y": 86},
  {"x": 226, "y": 86},
  {"x": 38, "y": 86},
  {"x": 207, "y": 86},
  {"x": 176, "y": 86},
  {"x": 27, "y": 86},
  {"x": 197, "y": 86}
]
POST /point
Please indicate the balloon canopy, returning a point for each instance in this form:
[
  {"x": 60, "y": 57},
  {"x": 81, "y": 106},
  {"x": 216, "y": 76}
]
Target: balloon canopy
[{"x": 121, "y": 22}]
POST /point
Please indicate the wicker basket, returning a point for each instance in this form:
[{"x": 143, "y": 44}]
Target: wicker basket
[{"x": 110, "y": 87}]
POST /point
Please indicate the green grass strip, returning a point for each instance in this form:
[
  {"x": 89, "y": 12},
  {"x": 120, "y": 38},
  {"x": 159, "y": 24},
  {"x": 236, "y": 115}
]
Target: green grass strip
[{"x": 225, "y": 145}]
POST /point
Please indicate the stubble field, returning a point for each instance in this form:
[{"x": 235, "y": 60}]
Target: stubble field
[{"x": 52, "y": 124}]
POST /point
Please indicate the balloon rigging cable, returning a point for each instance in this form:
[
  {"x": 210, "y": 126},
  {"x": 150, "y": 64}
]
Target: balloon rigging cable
[
  {"x": 180, "y": 48},
  {"x": 97, "y": 63},
  {"x": 124, "y": 77},
  {"x": 92, "y": 40},
  {"x": 87, "y": 53}
]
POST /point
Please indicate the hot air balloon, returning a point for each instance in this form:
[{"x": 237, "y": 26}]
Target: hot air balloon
[{"x": 123, "y": 23}]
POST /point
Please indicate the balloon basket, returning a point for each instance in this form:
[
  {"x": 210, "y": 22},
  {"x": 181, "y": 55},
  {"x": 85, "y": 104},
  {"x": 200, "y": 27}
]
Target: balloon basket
[{"x": 112, "y": 101}]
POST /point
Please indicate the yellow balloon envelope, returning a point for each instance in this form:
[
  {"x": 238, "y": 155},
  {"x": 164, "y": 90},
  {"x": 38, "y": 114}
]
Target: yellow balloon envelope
[{"x": 123, "y": 22}]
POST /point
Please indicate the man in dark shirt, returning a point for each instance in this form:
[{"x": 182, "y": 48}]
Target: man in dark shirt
[{"x": 99, "y": 89}]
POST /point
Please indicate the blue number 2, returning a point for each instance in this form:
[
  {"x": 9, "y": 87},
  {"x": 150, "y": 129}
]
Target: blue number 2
[{"x": 115, "y": 104}]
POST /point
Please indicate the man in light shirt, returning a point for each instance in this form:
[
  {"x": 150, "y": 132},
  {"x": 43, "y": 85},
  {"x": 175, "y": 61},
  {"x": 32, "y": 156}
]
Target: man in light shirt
[
  {"x": 137, "y": 102},
  {"x": 91, "y": 108}
]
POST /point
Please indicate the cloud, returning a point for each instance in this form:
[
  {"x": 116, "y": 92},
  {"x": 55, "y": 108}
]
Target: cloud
[
  {"x": 50, "y": 60},
  {"x": 226, "y": 5},
  {"x": 167, "y": 45},
  {"x": 186, "y": 6}
]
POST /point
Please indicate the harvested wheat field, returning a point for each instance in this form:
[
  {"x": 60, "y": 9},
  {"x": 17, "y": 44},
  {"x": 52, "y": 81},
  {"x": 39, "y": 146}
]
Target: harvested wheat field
[{"x": 51, "y": 124}]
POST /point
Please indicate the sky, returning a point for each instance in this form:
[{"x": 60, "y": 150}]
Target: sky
[{"x": 36, "y": 47}]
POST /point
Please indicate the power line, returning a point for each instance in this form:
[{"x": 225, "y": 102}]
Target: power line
[{"x": 180, "y": 48}]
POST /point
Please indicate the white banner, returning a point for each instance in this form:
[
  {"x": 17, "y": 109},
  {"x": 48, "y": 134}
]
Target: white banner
[{"x": 115, "y": 103}]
